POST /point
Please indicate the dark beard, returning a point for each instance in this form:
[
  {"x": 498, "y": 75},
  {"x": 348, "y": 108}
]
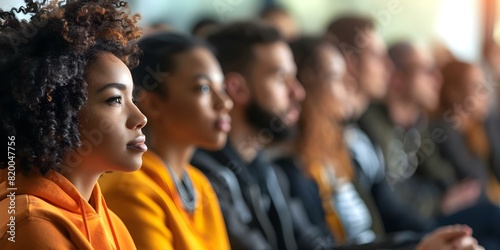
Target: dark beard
[{"x": 270, "y": 126}]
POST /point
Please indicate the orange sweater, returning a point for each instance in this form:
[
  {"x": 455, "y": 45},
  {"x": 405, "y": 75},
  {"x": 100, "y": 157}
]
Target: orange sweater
[
  {"x": 149, "y": 205},
  {"x": 50, "y": 213}
]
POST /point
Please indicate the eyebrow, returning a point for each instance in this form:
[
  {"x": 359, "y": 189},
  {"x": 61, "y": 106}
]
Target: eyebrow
[
  {"x": 202, "y": 77},
  {"x": 119, "y": 86}
]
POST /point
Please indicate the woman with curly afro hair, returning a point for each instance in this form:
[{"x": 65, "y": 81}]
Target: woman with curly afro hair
[{"x": 68, "y": 117}]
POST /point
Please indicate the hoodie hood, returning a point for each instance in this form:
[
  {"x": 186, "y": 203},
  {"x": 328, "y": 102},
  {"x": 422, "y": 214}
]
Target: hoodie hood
[
  {"x": 53, "y": 188},
  {"x": 92, "y": 218}
]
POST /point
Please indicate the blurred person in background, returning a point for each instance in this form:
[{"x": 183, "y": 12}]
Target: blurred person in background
[
  {"x": 157, "y": 27},
  {"x": 260, "y": 77},
  {"x": 319, "y": 151},
  {"x": 415, "y": 166},
  {"x": 169, "y": 204},
  {"x": 400, "y": 126},
  {"x": 203, "y": 27},
  {"x": 370, "y": 68},
  {"x": 366, "y": 56},
  {"x": 282, "y": 20},
  {"x": 319, "y": 155},
  {"x": 462, "y": 113}
]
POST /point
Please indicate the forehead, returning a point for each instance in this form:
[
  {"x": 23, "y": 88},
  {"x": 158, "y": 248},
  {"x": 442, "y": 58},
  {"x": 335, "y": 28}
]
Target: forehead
[
  {"x": 196, "y": 57},
  {"x": 419, "y": 56},
  {"x": 107, "y": 68},
  {"x": 375, "y": 41},
  {"x": 195, "y": 61},
  {"x": 276, "y": 55},
  {"x": 330, "y": 57}
]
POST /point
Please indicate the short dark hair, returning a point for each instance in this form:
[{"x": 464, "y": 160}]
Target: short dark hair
[
  {"x": 158, "y": 58},
  {"x": 234, "y": 44},
  {"x": 272, "y": 9},
  {"x": 202, "y": 23},
  {"x": 399, "y": 53},
  {"x": 306, "y": 53},
  {"x": 344, "y": 31}
]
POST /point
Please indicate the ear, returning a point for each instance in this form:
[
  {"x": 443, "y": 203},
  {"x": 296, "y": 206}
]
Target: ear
[
  {"x": 237, "y": 88},
  {"x": 150, "y": 104}
]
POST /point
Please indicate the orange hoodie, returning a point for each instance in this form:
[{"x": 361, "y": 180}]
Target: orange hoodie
[{"x": 50, "y": 213}]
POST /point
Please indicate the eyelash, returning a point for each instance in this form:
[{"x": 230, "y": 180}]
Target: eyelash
[{"x": 115, "y": 100}]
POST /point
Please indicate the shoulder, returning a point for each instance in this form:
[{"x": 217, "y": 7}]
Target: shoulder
[
  {"x": 122, "y": 180},
  {"x": 198, "y": 178},
  {"x": 26, "y": 207},
  {"x": 37, "y": 221}
]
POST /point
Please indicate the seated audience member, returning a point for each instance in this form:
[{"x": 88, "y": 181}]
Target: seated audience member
[
  {"x": 319, "y": 150},
  {"x": 168, "y": 204},
  {"x": 321, "y": 70},
  {"x": 260, "y": 78},
  {"x": 281, "y": 20},
  {"x": 405, "y": 136},
  {"x": 203, "y": 27},
  {"x": 60, "y": 91},
  {"x": 462, "y": 115},
  {"x": 369, "y": 66}
]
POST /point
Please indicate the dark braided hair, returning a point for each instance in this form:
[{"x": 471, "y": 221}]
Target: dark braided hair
[{"x": 42, "y": 72}]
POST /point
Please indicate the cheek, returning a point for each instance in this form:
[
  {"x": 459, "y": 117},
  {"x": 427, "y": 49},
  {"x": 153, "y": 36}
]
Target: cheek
[
  {"x": 190, "y": 113},
  {"x": 272, "y": 95},
  {"x": 339, "y": 92},
  {"x": 103, "y": 138}
]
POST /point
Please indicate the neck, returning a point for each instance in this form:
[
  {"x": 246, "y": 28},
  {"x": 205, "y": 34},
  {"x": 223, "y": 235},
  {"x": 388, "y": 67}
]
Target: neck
[
  {"x": 175, "y": 155},
  {"x": 402, "y": 111},
  {"x": 244, "y": 137},
  {"x": 82, "y": 178}
]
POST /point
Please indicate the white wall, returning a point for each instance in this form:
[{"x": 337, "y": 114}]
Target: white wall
[{"x": 456, "y": 23}]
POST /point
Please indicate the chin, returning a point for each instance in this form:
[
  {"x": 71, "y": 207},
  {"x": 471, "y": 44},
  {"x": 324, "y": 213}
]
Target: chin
[
  {"x": 214, "y": 144},
  {"x": 131, "y": 165}
]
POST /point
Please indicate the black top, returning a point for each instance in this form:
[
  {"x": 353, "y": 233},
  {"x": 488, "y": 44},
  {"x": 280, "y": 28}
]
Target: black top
[{"x": 255, "y": 201}]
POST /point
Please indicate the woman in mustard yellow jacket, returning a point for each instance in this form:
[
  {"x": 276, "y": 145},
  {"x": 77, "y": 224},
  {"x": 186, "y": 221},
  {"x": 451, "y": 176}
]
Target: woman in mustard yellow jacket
[{"x": 168, "y": 204}]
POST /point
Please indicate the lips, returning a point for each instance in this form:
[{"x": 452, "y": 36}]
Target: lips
[
  {"x": 138, "y": 144},
  {"x": 293, "y": 115},
  {"x": 223, "y": 124}
]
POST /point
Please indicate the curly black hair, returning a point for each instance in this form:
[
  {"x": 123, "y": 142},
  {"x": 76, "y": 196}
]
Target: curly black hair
[{"x": 42, "y": 72}]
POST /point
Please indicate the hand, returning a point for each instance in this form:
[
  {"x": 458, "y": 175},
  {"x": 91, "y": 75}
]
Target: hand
[
  {"x": 455, "y": 237},
  {"x": 460, "y": 196}
]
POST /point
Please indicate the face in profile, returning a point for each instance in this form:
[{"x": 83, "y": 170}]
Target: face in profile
[
  {"x": 195, "y": 107},
  {"x": 332, "y": 85},
  {"x": 424, "y": 80},
  {"x": 110, "y": 123},
  {"x": 464, "y": 91},
  {"x": 476, "y": 95},
  {"x": 374, "y": 67},
  {"x": 276, "y": 93}
]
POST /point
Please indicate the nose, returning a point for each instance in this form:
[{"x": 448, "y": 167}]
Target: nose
[
  {"x": 297, "y": 91},
  {"x": 222, "y": 101},
  {"x": 136, "y": 119},
  {"x": 438, "y": 77}
]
